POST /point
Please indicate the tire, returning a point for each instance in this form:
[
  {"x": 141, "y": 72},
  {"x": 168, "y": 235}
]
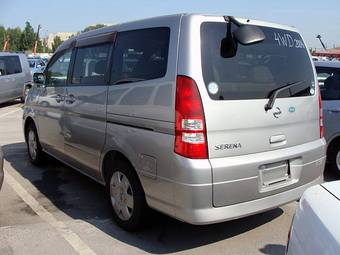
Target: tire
[
  {"x": 34, "y": 150},
  {"x": 23, "y": 98},
  {"x": 334, "y": 159},
  {"x": 126, "y": 196}
]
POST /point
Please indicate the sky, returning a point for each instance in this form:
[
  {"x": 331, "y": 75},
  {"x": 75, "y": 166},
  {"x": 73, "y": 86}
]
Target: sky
[{"x": 310, "y": 17}]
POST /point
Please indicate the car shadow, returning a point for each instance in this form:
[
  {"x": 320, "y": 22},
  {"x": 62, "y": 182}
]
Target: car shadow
[
  {"x": 82, "y": 198},
  {"x": 273, "y": 249},
  {"x": 10, "y": 103}
]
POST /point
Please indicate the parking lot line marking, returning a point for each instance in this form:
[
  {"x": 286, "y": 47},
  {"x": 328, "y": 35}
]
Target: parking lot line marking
[
  {"x": 72, "y": 238},
  {"x": 10, "y": 112}
]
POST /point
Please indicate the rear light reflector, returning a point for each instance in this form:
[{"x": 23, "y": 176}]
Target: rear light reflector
[
  {"x": 191, "y": 137},
  {"x": 321, "y": 115}
]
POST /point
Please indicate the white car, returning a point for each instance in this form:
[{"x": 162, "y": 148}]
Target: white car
[{"x": 316, "y": 225}]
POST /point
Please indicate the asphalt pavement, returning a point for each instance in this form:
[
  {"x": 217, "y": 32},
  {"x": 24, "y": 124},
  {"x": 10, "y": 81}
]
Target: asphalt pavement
[{"x": 56, "y": 210}]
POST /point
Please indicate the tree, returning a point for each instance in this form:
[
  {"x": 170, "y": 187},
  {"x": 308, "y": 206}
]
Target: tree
[
  {"x": 14, "y": 35},
  {"x": 27, "y": 38},
  {"x": 2, "y": 36},
  {"x": 56, "y": 42},
  {"x": 92, "y": 27}
]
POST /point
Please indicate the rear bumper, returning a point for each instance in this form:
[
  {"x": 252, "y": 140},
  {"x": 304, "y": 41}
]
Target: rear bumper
[
  {"x": 195, "y": 192},
  {"x": 202, "y": 216},
  {"x": 244, "y": 175}
]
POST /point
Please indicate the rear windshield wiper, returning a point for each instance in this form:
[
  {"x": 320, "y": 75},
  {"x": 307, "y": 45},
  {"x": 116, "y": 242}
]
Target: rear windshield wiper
[
  {"x": 128, "y": 80},
  {"x": 274, "y": 93}
]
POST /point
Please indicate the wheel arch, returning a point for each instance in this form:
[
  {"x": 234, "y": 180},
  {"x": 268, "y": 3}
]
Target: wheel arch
[
  {"x": 109, "y": 158},
  {"x": 335, "y": 140},
  {"x": 29, "y": 120}
]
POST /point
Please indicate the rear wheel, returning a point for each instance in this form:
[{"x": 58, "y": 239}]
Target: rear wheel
[
  {"x": 126, "y": 196},
  {"x": 334, "y": 159},
  {"x": 34, "y": 149},
  {"x": 23, "y": 98}
]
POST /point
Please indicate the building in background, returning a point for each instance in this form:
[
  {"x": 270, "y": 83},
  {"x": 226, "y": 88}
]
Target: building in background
[
  {"x": 63, "y": 36},
  {"x": 329, "y": 53}
]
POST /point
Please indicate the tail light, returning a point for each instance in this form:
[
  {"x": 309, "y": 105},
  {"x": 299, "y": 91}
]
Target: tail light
[
  {"x": 190, "y": 128},
  {"x": 320, "y": 115}
]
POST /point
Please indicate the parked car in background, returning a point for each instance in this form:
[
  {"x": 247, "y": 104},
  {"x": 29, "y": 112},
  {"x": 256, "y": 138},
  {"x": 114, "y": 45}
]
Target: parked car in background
[
  {"x": 1, "y": 167},
  {"x": 15, "y": 76},
  {"x": 37, "y": 65},
  {"x": 204, "y": 118},
  {"x": 328, "y": 73},
  {"x": 315, "y": 227}
]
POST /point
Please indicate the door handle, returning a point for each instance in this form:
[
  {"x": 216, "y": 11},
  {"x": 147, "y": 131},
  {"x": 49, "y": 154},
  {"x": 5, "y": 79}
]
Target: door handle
[
  {"x": 59, "y": 98},
  {"x": 277, "y": 139},
  {"x": 70, "y": 99}
]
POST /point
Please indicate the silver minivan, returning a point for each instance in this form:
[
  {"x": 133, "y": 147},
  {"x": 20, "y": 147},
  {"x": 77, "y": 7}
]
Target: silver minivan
[
  {"x": 15, "y": 76},
  {"x": 328, "y": 73},
  {"x": 204, "y": 118}
]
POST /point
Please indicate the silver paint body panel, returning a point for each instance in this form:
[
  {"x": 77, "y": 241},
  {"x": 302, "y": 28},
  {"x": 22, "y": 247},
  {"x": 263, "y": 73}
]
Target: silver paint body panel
[{"x": 223, "y": 187}]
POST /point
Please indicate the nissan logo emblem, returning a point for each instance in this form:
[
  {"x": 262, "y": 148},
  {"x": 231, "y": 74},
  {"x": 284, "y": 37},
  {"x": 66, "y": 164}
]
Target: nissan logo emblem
[{"x": 277, "y": 112}]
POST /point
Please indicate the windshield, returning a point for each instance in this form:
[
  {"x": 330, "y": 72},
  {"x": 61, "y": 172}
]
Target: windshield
[
  {"x": 258, "y": 69},
  {"x": 31, "y": 63},
  {"x": 329, "y": 81}
]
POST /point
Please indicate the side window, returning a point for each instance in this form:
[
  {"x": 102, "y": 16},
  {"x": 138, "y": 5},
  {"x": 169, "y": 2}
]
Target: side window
[
  {"x": 140, "y": 55},
  {"x": 10, "y": 65},
  {"x": 2, "y": 66},
  {"x": 90, "y": 64},
  {"x": 329, "y": 81},
  {"x": 13, "y": 65},
  {"x": 58, "y": 69}
]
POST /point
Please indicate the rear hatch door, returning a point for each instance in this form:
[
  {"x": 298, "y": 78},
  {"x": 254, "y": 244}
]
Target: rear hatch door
[{"x": 238, "y": 89}]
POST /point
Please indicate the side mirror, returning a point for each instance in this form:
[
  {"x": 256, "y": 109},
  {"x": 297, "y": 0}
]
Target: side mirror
[
  {"x": 247, "y": 35},
  {"x": 39, "y": 78}
]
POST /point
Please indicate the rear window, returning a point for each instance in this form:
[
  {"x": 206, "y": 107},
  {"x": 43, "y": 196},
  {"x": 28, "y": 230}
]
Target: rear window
[
  {"x": 329, "y": 81},
  {"x": 255, "y": 70}
]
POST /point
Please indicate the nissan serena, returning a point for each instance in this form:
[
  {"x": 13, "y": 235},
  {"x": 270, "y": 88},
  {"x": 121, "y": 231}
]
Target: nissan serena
[{"x": 204, "y": 118}]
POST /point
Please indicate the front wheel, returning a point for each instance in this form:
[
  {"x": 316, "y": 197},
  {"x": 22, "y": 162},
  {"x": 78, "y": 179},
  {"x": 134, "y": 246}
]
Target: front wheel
[
  {"x": 34, "y": 149},
  {"x": 126, "y": 196}
]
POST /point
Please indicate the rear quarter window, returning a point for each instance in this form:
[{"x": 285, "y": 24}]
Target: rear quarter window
[
  {"x": 140, "y": 55},
  {"x": 257, "y": 69}
]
